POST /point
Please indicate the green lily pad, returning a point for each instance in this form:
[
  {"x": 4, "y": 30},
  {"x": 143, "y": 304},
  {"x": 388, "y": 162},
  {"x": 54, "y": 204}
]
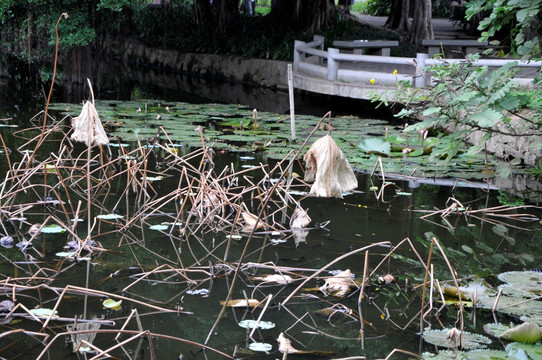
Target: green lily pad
[
  {"x": 65, "y": 254},
  {"x": 375, "y": 145},
  {"x": 153, "y": 178},
  {"x": 521, "y": 277},
  {"x": 442, "y": 338},
  {"x": 250, "y": 324},
  {"x": 471, "y": 355},
  {"x": 260, "y": 347},
  {"x": 159, "y": 227},
  {"x": 523, "y": 351},
  {"x": 44, "y": 312},
  {"x": 52, "y": 229},
  {"x": 110, "y": 216}
]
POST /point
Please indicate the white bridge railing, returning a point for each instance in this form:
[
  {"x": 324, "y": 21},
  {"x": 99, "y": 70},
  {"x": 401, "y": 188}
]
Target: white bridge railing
[{"x": 311, "y": 59}]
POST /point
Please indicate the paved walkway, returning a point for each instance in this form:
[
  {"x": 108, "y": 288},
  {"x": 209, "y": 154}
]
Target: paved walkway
[{"x": 442, "y": 28}]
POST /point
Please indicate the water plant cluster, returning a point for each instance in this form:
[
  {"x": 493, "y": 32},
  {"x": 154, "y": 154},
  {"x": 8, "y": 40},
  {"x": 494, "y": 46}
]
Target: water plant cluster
[
  {"x": 90, "y": 227},
  {"x": 236, "y": 129}
]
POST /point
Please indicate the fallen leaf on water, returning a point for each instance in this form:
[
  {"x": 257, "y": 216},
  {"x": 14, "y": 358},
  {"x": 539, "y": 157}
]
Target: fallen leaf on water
[
  {"x": 242, "y": 303},
  {"x": 339, "y": 285},
  {"x": 112, "y": 304},
  {"x": 275, "y": 278},
  {"x": 251, "y": 219},
  {"x": 285, "y": 347}
]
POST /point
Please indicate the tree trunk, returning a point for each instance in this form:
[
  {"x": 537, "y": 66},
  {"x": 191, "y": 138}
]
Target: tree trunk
[
  {"x": 202, "y": 11},
  {"x": 228, "y": 15},
  {"x": 309, "y": 15},
  {"x": 422, "y": 27},
  {"x": 398, "y": 19}
]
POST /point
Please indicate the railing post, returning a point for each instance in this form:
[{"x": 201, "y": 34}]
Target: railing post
[
  {"x": 321, "y": 47},
  {"x": 332, "y": 64},
  {"x": 298, "y": 56},
  {"x": 422, "y": 78}
]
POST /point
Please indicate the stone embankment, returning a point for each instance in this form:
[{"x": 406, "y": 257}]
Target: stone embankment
[{"x": 265, "y": 73}]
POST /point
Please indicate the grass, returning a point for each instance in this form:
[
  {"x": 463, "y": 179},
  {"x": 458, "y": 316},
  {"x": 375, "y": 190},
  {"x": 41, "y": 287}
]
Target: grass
[{"x": 359, "y": 6}]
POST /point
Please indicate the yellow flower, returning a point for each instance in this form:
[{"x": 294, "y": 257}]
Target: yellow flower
[
  {"x": 372, "y": 81},
  {"x": 395, "y": 72}
]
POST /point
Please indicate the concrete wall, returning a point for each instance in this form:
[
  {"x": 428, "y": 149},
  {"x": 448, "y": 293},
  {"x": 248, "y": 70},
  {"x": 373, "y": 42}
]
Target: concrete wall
[{"x": 266, "y": 73}]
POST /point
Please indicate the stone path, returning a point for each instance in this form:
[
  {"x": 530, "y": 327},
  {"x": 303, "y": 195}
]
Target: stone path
[{"x": 443, "y": 28}]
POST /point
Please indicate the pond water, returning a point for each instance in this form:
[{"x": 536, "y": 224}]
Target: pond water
[{"x": 168, "y": 252}]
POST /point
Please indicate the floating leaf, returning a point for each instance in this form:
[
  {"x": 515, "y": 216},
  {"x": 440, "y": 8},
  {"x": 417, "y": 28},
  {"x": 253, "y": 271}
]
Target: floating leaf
[
  {"x": 471, "y": 355},
  {"x": 250, "y": 324},
  {"x": 375, "y": 145},
  {"x": 159, "y": 227},
  {"x": 152, "y": 178},
  {"x": 44, "y": 312},
  {"x": 260, "y": 347},
  {"x": 242, "y": 303},
  {"x": 52, "y": 229},
  {"x": 442, "y": 338},
  {"x": 274, "y": 278},
  {"x": 521, "y": 277},
  {"x": 496, "y": 329},
  {"x": 251, "y": 220},
  {"x": 109, "y": 216},
  {"x": 523, "y": 351},
  {"x": 65, "y": 254},
  {"x": 525, "y": 333},
  {"x": 339, "y": 285},
  {"x": 201, "y": 292},
  {"x": 112, "y": 304}
]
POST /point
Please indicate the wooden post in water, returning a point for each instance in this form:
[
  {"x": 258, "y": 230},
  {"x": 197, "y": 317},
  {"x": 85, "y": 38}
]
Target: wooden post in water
[{"x": 291, "y": 93}]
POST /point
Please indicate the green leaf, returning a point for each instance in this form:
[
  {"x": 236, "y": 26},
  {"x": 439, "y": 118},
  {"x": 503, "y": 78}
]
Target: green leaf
[
  {"x": 43, "y": 312},
  {"x": 373, "y": 144},
  {"x": 112, "y": 304},
  {"x": 525, "y": 333},
  {"x": 487, "y": 118},
  {"x": 53, "y": 229},
  {"x": 431, "y": 110}
]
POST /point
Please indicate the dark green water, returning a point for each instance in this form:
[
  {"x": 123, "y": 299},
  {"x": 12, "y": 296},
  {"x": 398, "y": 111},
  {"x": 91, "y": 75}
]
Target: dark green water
[{"x": 475, "y": 245}]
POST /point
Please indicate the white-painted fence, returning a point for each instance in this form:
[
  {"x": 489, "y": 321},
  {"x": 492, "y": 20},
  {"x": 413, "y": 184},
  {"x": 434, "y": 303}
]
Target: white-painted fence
[{"x": 311, "y": 59}]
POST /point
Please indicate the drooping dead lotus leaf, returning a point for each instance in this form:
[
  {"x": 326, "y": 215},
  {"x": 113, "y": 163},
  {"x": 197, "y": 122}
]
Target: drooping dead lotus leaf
[
  {"x": 87, "y": 127},
  {"x": 339, "y": 285},
  {"x": 242, "y": 303},
  {"x": 274, "y": 278},
  {"x": 526, "y": 333},
  {"x": 327, "y": 166},
  {"x": 300, "y": 219}
]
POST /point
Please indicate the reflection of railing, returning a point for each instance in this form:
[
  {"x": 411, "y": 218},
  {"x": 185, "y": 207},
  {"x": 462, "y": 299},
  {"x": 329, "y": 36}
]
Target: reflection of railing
[{"x": 333, "y": 65}]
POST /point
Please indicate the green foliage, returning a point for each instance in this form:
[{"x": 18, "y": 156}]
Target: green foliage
[
  {"x": 378, "y": 7},
  {"x": 514, "y": 21},
  {"x": 468, "y": 97}
]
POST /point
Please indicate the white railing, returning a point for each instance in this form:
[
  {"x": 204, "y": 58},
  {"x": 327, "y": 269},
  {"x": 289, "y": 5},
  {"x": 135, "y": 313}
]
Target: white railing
[{"x": 310, "y": 59}]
